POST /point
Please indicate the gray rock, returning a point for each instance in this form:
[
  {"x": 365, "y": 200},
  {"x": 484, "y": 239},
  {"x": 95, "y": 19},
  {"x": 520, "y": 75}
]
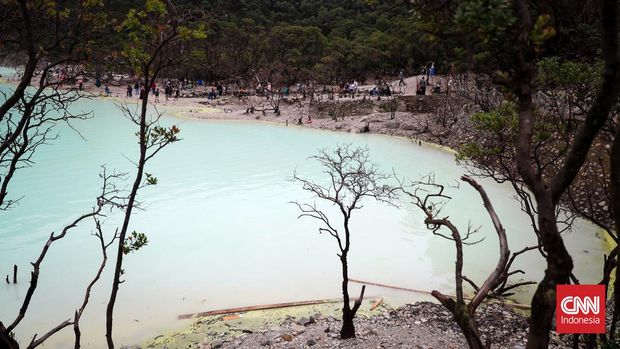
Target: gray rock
[
  {"x": 298, "y": 328},
  {"x": 311, "y": 342},
  {"x": 304, "y": 321}
]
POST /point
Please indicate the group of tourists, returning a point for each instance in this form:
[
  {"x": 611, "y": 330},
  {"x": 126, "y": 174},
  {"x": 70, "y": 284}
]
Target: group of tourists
[
  {"x": 140, "y": 91},
  {"x": 264, "y": 90},
  {"x": 216, "y": 91},
  {"x": 350, "y": 88},
  {"x": 381, "y": 88}
]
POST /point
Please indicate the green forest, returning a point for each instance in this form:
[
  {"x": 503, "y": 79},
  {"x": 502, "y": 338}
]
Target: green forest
[
  {"x": 335, "y": 41},
  {"x": 299, "y": 40}
]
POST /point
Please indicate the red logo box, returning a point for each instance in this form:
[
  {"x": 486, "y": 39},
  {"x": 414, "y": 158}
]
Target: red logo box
[{"x": 580, "y": 309}]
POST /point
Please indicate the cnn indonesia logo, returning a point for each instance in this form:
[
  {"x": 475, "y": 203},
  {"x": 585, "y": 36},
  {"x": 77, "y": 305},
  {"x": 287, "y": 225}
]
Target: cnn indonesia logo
[{"x": 580, "y": 309}]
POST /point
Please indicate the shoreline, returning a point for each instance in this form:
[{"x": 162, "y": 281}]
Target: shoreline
[
  {"x": 420, "y": 325},
  {"x": 195, "y": 111},
  {"x": 232, "y": 108},
  {"x": 280, "y": 123}
]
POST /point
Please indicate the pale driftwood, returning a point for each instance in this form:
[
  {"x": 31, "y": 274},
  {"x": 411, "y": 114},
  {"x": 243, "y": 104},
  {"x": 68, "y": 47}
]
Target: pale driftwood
[
  {"x": 413, "y": 290},
  {"x": 259, "y": 307},
  {"x": 388, "y": 286}
]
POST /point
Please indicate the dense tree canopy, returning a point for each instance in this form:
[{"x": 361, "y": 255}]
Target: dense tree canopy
[{"x": 289, "y": 41}]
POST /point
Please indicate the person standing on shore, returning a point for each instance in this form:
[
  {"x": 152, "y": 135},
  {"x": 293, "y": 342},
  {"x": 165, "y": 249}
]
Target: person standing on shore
[
  {"x": 129, "y": 89},
  {"x": 401, "y": 77},
  {"x": 421, "y": 87}
]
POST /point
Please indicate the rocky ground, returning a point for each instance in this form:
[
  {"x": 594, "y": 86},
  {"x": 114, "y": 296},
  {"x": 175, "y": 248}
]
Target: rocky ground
[{"x": 423, "y": 325}]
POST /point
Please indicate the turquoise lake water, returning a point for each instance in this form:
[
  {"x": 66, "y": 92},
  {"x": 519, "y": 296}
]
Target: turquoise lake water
[{"x": 223, "y": 233}]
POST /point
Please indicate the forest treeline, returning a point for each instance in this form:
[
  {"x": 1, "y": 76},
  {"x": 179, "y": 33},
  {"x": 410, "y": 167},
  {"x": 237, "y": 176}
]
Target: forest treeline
[{"x": 290, "y": 41}]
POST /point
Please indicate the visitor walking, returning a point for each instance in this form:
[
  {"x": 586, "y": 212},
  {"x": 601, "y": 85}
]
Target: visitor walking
[
  {"x": 401, "y": 77},
  {"x": 129, "y": 93}
]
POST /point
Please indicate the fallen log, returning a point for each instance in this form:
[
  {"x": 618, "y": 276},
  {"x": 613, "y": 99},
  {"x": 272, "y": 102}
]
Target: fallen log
[
  {"x": 510, "y": 304},
  {"x": 259, "y": 307},
  {"x": 387, "y": 286}
]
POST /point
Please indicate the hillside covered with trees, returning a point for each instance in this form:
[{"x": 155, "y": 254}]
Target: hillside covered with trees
[{"x": 307, "y": 39}]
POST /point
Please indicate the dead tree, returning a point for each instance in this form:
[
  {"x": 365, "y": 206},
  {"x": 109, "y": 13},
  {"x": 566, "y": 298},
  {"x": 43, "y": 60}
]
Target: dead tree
[
  {"x": 50, "y": 44},
  {"x": 351, "y": 179},
  {"x": 110, "y": 197},
  {"x": 441, "y": 124},
  {"x": 104, "y": 259},
  {"x": 29, "y": 125},
  {"x": 430, "y": 197}
]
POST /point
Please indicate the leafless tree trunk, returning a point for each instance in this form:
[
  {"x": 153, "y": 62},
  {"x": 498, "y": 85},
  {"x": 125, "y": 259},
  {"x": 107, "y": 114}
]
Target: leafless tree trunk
[
  {"x": 28, "y": 117},
  {"x": 108, "y": 198},
  {"x": 352, "y": 177},
  {"x": 104, "y": 258},
  {"x": 426, "y": 195},
  {"x": 547, "y": 191}
]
